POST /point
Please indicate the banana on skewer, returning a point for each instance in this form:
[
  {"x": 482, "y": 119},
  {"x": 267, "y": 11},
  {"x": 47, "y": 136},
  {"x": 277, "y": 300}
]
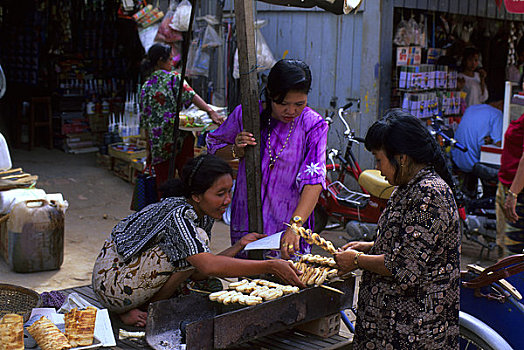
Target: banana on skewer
[
  {"x": 253, "y": 292},
  {"x": 314, "y": 238}
]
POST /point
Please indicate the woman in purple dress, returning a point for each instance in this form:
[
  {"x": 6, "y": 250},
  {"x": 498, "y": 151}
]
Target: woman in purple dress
[{"x": 293, "y": 156}]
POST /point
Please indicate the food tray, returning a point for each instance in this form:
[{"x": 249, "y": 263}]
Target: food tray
[
  {"x": 18, "y": 300},
  {"x": 208, "y": 127}
]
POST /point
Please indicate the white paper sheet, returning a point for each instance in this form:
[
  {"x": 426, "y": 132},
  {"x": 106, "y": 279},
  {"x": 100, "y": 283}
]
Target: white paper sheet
[{"x": 269, "y": 242}]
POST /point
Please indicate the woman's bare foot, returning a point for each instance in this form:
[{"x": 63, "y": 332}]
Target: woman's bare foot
[{"x": 134, "y": 317}]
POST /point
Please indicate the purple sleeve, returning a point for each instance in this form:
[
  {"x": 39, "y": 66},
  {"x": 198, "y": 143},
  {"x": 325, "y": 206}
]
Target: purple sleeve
[
  {"x": 313, "y": 169},
  {"x": 226, "y": 133}
]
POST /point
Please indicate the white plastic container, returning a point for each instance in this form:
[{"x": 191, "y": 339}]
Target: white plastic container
[{"x": 5, "y": 158}]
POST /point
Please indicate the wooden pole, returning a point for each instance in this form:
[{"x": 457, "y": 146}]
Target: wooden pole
[
  {"x": 247, "y": 62},
  {"x": 185, "y": 52}
]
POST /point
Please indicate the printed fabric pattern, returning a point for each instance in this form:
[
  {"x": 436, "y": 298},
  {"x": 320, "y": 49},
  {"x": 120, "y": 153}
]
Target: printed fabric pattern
[
  {"x": 417, "y": 307},
  {"x": 172, "y": 222},
  {"x": 158, "y": 111},
  {"x": 122, "y": 286}
]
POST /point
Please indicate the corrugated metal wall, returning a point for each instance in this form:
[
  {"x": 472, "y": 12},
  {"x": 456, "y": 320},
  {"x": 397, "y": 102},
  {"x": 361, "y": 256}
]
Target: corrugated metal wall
[
  {"x": 480, "y": 8},
  {"x": 331, "y": 45}
]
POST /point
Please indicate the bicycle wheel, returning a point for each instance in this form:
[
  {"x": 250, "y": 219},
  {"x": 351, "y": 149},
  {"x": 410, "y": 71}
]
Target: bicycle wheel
[
  {"x": 471, "y": 341},
  {"x": 476, "y": 335}
]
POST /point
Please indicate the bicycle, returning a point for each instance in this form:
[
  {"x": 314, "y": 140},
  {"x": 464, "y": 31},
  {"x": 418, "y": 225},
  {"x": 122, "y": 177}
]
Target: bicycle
[{"x": 357, "y": 211}]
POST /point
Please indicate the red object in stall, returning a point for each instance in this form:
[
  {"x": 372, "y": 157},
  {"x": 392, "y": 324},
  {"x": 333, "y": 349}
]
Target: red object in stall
[{"x": 514, "y": 6}]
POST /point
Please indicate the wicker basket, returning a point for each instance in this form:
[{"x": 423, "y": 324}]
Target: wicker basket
[{"x": 18, "y": 300}]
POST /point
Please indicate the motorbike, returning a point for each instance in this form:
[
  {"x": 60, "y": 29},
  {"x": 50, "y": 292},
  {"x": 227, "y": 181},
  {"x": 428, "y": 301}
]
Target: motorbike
[
  {"x": 357, "y": 211},
  {"x": 477, "y": 214}
]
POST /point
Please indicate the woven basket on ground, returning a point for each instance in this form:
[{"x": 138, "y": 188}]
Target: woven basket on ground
[{"x": 18, "y": 300}]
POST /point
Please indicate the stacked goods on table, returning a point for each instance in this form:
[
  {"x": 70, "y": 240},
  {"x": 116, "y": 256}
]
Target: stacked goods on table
[
  {"x": 253, "y": 292},
  {"x": 127, "y": 159},
  {"x": 79, "y": 330},
  {"x": 195, "y": 119},
  {"x": 74, "y": 134},
  {"x": 79, "y": 143}
]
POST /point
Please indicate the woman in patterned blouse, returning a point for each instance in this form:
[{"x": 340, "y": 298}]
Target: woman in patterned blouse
[
  {"x": 151, "y": 253},
  {"x": 409, "y": 294},
  {"x": 158, "y": 109}
]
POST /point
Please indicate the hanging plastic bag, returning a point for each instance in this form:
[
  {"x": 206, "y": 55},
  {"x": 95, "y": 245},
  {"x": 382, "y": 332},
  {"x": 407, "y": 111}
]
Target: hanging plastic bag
[
  {"x": 165, "y": 32},
  {"x": 211, "y": 38},
  {"x": 181, "y": 17},
  {"x": 414, "y": 30},
  {"x": 265, "y": 59},
  {"x": 197, "y": 60},
  {"x": 147, "y": 35},
  {"x": 402, "y": 34}
]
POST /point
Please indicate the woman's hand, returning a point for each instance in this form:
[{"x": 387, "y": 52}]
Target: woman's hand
[
  {"x": 286, "y": 271},
  {"x": 242, "y": 140},
  {"x": 289, "y": 243},
  {"x": 482, "y": 73},
  {"x": 346, "y": 261},
  {"x": 251, "y": 237},
  {"x": 364, "y": 247},
  {"x": 509, "y": 208},
  {"x": 215, "y": 117}
]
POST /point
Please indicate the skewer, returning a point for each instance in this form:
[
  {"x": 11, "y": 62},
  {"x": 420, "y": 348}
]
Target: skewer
[
  {"x": 331, "y": 289},
  {"x": 199, "y": 290},
  {"x": 313, "y": 238},
  {"x": 225, "y": 279}
]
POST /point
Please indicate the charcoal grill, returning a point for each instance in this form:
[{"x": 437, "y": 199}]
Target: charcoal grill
[{"x": 211, "y": 325}]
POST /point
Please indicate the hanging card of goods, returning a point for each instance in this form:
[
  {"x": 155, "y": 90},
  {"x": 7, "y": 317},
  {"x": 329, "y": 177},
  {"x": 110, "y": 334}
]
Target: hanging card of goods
[{"x": 148, "y": 15}]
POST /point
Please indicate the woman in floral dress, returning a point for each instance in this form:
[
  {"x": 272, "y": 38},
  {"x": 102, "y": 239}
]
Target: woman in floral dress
[
  {"x": 409, "y": 294},
  {"x": 158, "y": 109},
  {"x": 293, "y": 156}
]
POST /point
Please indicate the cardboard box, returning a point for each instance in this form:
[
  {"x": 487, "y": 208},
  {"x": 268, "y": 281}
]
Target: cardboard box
[
  {"x": 122, "y": 169},
  {"x": 126, "y": 152},
  {"x": 323, "y": 327}
]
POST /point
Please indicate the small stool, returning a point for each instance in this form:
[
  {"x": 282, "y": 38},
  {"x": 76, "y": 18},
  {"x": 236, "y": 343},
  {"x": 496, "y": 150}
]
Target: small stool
[{"x": 41, "y": 116}]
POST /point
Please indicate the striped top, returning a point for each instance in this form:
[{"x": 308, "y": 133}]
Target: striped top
[{"x": 171, "y": 223}]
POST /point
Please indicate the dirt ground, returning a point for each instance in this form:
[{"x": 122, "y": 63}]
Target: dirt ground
[{"x": 97, "y": 201}]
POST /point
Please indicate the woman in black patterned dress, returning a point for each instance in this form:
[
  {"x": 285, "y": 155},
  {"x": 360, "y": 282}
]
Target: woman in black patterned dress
[
  {"x": 409, "y": 294},
  {"x": 151, "y": 253}
]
